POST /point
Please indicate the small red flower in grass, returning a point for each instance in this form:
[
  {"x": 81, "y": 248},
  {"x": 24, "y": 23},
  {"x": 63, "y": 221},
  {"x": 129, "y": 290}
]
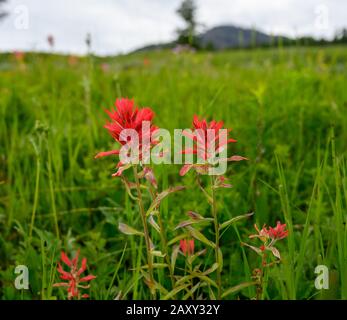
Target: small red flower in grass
[
  {"x": 128, "y": 116},
  {"x": 187, "y": 246},
  {"x": 279, "y": 232},
  {"x": 73, "y": 277},
  {"x": 204, "y": 141},
  {"x": 19, "y": 56},
  {"x": 206, "y": 144}
]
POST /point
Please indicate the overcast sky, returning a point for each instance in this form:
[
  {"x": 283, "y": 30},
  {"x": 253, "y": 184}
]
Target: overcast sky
[{"x": 118, "y": 26}]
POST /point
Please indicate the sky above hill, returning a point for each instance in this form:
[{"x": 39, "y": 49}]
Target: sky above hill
[{"x": 119, "y": 26}]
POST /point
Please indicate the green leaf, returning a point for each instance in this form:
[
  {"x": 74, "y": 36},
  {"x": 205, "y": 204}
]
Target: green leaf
[
  {"x": 220, "y": 259},
  {"x": 275, "y": 252},
  {"x": 177, "y": 238},
  {"x": 233, "y": 220},
  {"x": 176, "y": 290},
  {"x": 238, "y": 288},
  {"x": 156, "y": 265},
  {"x": 256, "y": 249},
  {"x": 157, "y": 253},
  {"x": 174, "y": 255},
  {"x": 153, "y": 223},
  {"x": 190, "y": 222},
  {"x": 210, "y": 270},
  {"x": 124, "y": 228},
  {"x": 199, "y": 236},
  {"x": 161, "y": 196}
]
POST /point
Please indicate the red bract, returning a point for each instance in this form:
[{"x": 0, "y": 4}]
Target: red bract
[
  {"x": 73, "y": 276},
  {"x": 128, "y": 116},
  {"x": 279, "y": 232},
  {"x": 206, "y": 138},
  {"x": 187, "y": 246},
  {"x": 207, "y": 145}
]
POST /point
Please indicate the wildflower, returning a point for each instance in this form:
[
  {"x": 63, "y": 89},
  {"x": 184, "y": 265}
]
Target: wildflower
[
  {"x": 73, "y": 60},
  {"x": 187, "y": 246},
  {"x": 128, "y": 116},
  {"x": 269, "y": 236},
  {"x": 73, "y": 277},
  {"x": 207, "y": 145},
  {"x": 278, "y": 232},
  {"x": 105, "y": 67},
  {"x": 205, "y": 141},
  {"x": 19, "y": 56},
  {"x": 146, "y": 62}
]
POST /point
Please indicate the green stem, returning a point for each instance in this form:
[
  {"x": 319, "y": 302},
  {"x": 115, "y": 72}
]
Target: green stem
[
  {"x": 145, "y": 228},
  {"x": 51, "y": 187},
  {"x": 166, "y": 249},
  {"x": 216, "y": 229},
  {"x": 36, "y": 196}
]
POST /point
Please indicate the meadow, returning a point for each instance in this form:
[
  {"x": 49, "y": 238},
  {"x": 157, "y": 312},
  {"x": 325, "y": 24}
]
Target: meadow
[{"x": 288, "y": 111}]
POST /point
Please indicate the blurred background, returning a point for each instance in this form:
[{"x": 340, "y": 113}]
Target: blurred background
[{"x": 121, "y": 26}]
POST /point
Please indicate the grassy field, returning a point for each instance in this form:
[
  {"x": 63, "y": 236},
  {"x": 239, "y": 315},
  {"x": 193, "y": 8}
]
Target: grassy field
[{"x": 288, "y": 111}]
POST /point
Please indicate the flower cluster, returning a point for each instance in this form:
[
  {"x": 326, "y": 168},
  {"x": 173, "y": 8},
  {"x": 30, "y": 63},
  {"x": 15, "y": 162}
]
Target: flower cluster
[
  {"x": 269, "y": 236},
  {"x": 73, "y": 276},
  {"x": 128, "y": 116}
]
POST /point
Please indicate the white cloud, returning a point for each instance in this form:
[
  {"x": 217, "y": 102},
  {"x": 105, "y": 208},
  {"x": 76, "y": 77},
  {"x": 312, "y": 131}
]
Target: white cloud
[{"x": 123, "y": 25}]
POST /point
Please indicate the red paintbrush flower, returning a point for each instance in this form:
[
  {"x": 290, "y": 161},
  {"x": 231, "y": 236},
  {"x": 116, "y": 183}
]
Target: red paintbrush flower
[
  {"x": 73, "y": 277},
  {"x": 207, "y": 144},
  {"x": 269, "y": 237},
  {"x": 128, "y": 116},
  {"x": 187, "y": 246},
  {"x": 279, "y": 232},
  {"x": 206, "y": 138}
]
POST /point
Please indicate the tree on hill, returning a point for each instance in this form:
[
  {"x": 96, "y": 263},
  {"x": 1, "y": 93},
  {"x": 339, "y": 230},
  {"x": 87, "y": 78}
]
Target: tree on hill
[{"x": 188, "y": 35}]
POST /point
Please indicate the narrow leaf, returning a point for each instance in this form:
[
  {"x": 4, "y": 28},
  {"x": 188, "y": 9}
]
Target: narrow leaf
[
  {"x": 124, "y": 228},
  {"x": 238, "y": 288},
  {"x": 199, "y": 236},
  {"x": 235, "y": 219}
]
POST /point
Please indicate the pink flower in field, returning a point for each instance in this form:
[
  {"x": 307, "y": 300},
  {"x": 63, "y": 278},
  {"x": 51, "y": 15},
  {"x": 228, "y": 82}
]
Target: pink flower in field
[
  {"x": 128, "y": 116},
  {"x": 187, "y": 246},
  {"x": 19, "y": 55},
  {"x": 105, "y": 67},
  {"x": 73, "y": 276}
]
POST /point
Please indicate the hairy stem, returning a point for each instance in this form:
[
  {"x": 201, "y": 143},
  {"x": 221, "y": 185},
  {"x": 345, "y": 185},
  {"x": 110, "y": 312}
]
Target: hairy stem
[
  {"x": 145, "y": 227},
  {"x": 166, "y": 249},
  {"x": 216, "y": 229},
  {"x": 36, "y": 196}
]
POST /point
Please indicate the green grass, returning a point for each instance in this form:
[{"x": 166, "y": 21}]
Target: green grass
[{"x": 288, "y": 111}]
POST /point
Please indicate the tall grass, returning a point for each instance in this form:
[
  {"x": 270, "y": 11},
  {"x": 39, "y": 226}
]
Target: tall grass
[{"x": 282, "y": 106}]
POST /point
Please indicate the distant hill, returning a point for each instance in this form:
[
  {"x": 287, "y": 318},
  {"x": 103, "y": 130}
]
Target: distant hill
[{"x": 225, "y": 37}]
